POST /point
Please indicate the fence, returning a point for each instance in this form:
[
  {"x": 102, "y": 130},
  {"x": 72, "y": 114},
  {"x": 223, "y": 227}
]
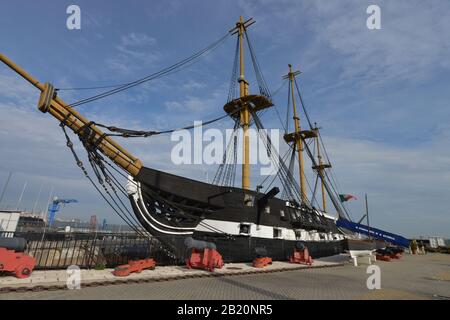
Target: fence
[{"x": 55, "y": 250}]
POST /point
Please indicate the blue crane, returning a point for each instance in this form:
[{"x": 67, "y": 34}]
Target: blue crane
[{"x": 55, "y": 206}]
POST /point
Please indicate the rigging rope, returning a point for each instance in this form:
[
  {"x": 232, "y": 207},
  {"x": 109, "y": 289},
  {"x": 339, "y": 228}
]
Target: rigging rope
[
  {"x": 153, "y": 76},
  {"x": 263, "y": 87},
  {"x": 129, "y": 133},
  {"x": 86, "y": 174}
]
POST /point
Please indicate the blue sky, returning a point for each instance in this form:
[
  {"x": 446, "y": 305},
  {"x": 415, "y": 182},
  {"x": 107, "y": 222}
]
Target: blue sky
[{"x": 381, "y": 96}]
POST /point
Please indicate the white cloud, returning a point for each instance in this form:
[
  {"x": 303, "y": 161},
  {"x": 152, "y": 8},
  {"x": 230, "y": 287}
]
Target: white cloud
[
  {"x": 407, "y": 186},
  {"x": 135, "y": 50},
  {"x": 137, "y": 40},
  {"x": 412, "y": 45},
  {"x": 213, "y": 101}
]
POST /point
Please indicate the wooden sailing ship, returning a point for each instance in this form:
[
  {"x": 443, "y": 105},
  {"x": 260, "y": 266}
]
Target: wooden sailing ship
[{"x": 237, "y": 219}]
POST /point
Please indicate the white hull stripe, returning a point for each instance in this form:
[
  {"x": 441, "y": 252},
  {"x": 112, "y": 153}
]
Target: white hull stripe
[{"x": 267, "y": 232}]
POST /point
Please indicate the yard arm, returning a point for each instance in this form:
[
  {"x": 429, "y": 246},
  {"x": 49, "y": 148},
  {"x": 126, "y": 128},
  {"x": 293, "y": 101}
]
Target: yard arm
[{"x": 49, "y": 102}]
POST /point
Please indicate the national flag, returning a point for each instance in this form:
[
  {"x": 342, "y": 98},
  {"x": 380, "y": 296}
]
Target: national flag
[{"x": 346, "y": 197}]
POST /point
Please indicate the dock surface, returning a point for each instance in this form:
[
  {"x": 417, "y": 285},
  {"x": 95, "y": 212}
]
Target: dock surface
[{"x": 412, "y": 277}]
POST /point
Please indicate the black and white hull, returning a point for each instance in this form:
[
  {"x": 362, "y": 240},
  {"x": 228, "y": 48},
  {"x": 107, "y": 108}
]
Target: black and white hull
[{"x": 238, "y": 221}]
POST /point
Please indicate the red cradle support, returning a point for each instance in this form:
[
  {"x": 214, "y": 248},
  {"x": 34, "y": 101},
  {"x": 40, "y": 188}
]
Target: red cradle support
[
  {"x": 383, "y": 257},
  {"x": 301, "y": 257},
  {"x": 134, "y": 266},
  {"x": 206, "y": 259},
  {"x": 19, "y": 263},
  {"x": 262, "y": 262},
  {"x": 396, "y": 255}
]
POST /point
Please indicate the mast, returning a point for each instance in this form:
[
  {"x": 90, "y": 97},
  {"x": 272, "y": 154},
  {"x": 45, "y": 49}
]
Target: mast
[
  {"x": 320, "y": 168},
  {"x": 63, "y": 112},
  {"x": 246, "y": 103},
  {"x": 319, "y": 156},
  {"x": 244, "y": 114},
  {"x": 296, "y": 137}
]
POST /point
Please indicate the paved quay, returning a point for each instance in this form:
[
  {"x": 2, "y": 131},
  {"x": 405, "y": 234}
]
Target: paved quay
[
  {"x": 413, "y": 277},
  {"x": 57, "y": 279}
]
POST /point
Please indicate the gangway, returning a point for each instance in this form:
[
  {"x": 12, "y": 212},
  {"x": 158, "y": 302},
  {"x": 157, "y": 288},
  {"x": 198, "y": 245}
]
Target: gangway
[{"x": 373, "y": 232}]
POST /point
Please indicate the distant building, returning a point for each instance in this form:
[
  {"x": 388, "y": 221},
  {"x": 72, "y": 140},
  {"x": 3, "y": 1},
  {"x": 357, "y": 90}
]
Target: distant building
[
  {"x": 436, "y": 242},
  {"x": 28, "y": 223},
  {"x": 9, "y": 220},
  {"x": 93, "y": 223}
]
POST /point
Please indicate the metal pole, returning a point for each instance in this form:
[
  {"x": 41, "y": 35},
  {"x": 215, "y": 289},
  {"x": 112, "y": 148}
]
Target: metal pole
[
  {"x": 21, "y": 195},
  {"x": 367, "y": 214},
  {"x": 45, "y": 211},
  {"x": 5, "y": 187},
  {"x": 37, "y": 198}
]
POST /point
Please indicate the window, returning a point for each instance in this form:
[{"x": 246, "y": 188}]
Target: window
[
  {"x": 267, "y": 209},
  {"x": 248, "y": 200},
  {"x": 244, "y": 229},
  {"x": 277, "y": 233},
  {"x": 298, "y": 235},
  {"x": 282, "y": 215}
]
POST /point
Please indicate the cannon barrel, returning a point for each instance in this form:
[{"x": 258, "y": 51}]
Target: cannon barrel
[
  {"x": 191, "y": 243},
  {"x": 16, "y": 244},
  {"x": 261, "y": 252}
]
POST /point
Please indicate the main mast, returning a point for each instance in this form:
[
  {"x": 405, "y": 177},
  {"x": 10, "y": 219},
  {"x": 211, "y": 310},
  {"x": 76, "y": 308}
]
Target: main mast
[{"x": 296, "y": 137}]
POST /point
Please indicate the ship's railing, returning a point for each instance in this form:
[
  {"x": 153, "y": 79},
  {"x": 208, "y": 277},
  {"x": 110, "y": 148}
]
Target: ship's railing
[{"x": 90, "y": 250}]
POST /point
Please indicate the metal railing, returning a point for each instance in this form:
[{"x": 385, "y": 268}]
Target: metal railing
[{"x": 57, "y": 250}]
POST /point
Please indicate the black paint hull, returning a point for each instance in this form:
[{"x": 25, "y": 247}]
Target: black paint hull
[{"x": 173, "y": 208}]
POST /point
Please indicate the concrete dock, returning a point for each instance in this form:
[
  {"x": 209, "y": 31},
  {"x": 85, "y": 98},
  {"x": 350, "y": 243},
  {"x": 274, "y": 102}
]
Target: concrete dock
[{"x": 412, "y": 277}]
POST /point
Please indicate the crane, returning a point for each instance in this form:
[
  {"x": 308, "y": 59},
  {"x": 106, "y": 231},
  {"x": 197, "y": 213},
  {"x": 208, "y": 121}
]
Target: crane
[{"x": 55, "y": 206}]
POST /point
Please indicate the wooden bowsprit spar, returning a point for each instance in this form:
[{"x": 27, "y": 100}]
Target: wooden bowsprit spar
[{"x": 49, "y": 102}]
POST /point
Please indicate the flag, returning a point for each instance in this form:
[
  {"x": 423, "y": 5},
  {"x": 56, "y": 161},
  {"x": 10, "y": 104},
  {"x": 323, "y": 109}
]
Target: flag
[{"x": 346, "y": 197}]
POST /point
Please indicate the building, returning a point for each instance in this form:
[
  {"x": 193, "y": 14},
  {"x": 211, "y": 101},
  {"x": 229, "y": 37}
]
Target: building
[{"x": 9, "y": 220}]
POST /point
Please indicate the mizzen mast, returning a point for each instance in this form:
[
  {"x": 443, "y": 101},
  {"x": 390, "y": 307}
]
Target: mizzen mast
[{"x": 320, "y": 168}]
